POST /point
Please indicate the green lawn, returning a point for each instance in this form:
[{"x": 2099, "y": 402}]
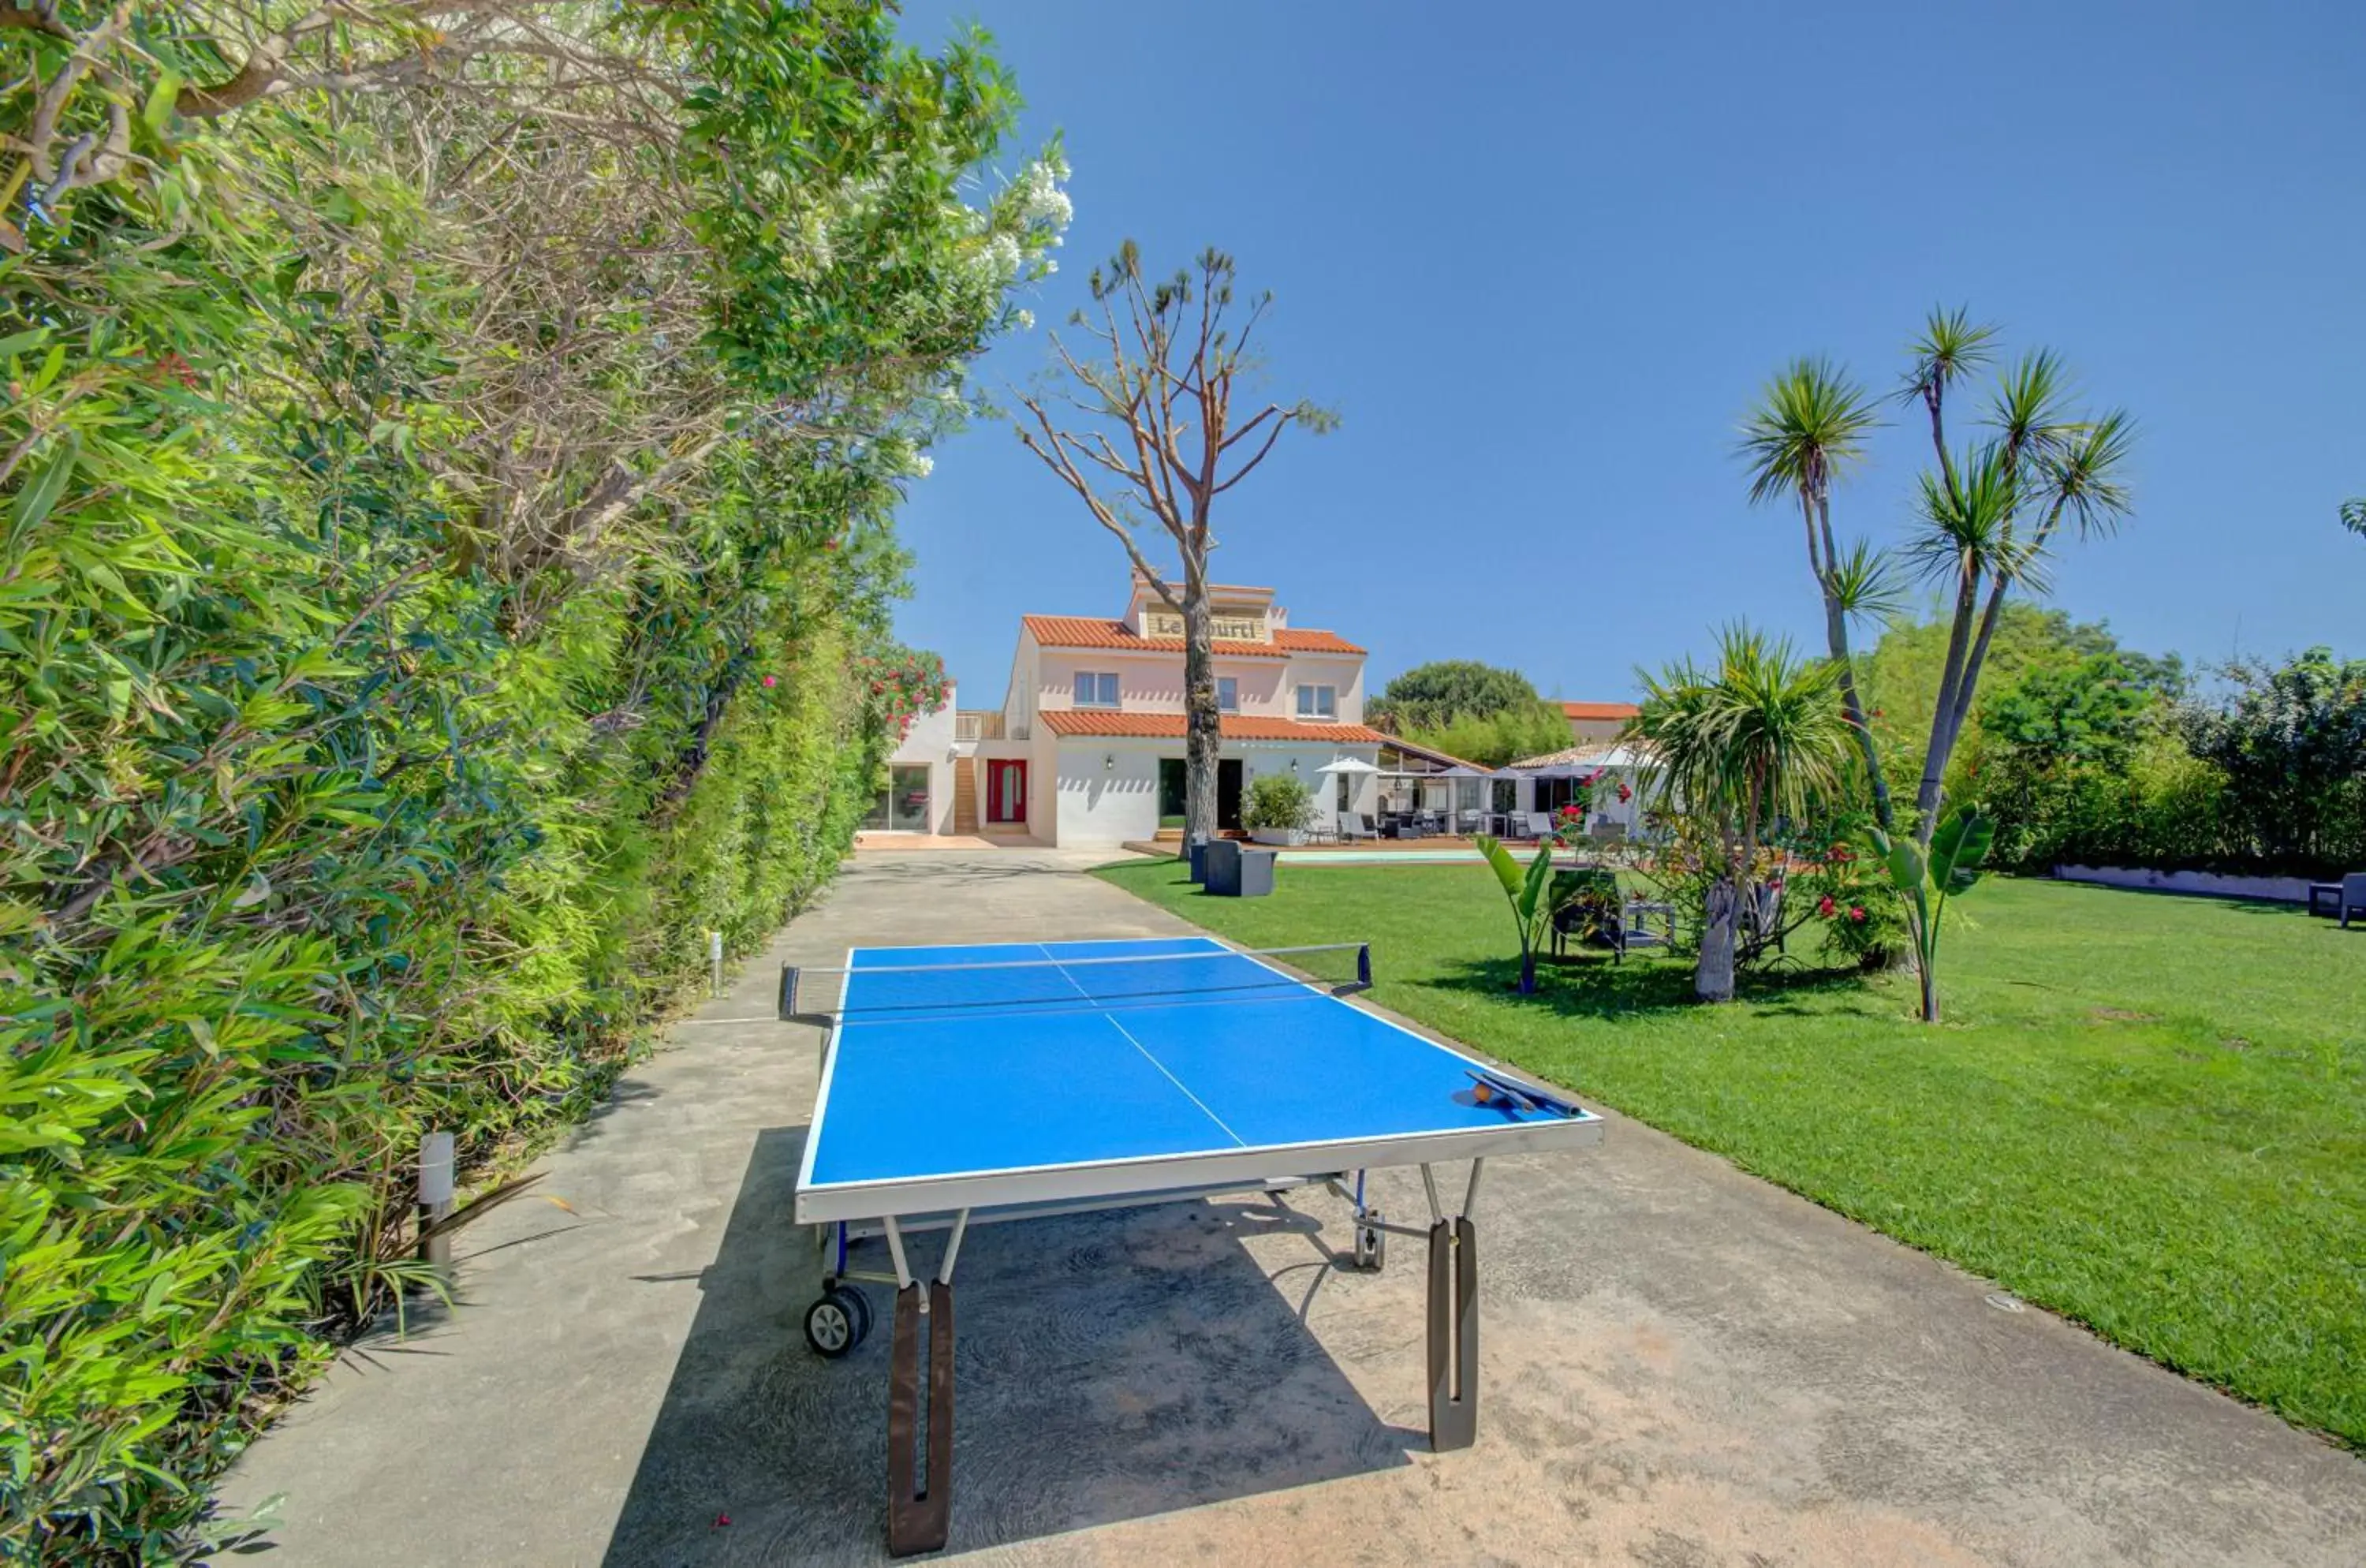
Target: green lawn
[{"x": 2148, "y": 1113}]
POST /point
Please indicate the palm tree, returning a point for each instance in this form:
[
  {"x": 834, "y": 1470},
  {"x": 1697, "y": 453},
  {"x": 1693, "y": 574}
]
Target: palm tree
[
  {"x": 1995, "y": 526},
  {"x": 1808, "y": 428},
  {"x": 1760, "y": 737}
]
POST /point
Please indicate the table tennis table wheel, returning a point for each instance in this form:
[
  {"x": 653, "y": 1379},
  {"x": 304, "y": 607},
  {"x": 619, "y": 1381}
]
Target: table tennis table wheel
[
  {"x": 836, "y": 1324},
  {"x": 862, "y": 1310},
  {"x": 1371, "y": 1243}
]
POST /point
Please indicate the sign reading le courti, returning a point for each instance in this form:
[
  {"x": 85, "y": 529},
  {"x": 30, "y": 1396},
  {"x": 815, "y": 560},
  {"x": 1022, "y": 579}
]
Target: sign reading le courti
[{"x": 1226, "y": 628}]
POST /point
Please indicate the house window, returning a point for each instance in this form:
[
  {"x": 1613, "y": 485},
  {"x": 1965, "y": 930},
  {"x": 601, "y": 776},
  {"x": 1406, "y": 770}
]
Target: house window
[
  {"x": 902, "y": 806},
  {"x": 1228, "y": 694},
  {"x": 1096, "y": 689},
  {"x": 1318, "y": 701}
]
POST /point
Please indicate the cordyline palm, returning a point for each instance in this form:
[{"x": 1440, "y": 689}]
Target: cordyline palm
[
  {"x": 1759, "y": 737},
  {"x": 1988, "y": 521},
  {"x": 1809, "y": 427}
]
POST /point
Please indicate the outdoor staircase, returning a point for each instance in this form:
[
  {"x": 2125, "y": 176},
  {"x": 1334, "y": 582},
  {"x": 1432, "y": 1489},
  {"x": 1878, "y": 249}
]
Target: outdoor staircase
[{"x": 965, "y": 796}]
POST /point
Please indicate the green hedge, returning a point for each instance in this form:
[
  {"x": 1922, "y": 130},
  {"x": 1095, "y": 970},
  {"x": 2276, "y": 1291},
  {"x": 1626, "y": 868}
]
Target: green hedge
[
  {"x": 2167, "y": 810},
  {"x": 442, "y": 556}
]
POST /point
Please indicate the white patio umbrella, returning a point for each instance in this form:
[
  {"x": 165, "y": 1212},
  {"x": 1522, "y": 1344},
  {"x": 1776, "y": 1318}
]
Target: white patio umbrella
[{"x": 1346, "y": 765}]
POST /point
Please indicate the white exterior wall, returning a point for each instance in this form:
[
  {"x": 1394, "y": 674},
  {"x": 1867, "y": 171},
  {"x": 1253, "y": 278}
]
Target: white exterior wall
[
  {"x": 1106, "y": 791},
  {"x": 930, "y": 741},
  {"x": 1152, "y": 683},
  {"x": 1085, "y": 790},
  {"x": 1268, "y": 757},
  {"x": 1042, "y": 786},
  {"x": 1019, "y": 695},
  {"x": 1343, "y": 670}
]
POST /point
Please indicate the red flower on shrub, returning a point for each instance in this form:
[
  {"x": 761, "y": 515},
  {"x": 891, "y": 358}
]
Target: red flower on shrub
[
  {"x": 1824, "y": 906},
  {"x": 768, "y": 681},
  {"x": 1857, "y": 912},
  {"x": 1626, "y": 794}
]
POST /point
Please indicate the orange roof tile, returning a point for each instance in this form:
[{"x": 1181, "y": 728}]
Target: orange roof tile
[
  {"x": 1600, "y": 710},
  {"x": 1308, "y": 640},
  {"x": 1117, "y": 724},
  {"x": 1093, "y": 631}
]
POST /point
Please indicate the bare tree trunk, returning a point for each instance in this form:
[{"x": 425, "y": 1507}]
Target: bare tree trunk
[
  {"x": 1836, "y": 637},
  {"x": 1968, "y": 687},
  {"x": 1954, "y": 694},
  {"x": 1713, "y": 975},
  {"x": 1202, "y": 736}
]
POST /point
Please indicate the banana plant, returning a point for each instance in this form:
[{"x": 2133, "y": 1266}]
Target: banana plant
[
  {"x": 1530, "y": 892},
  {"x": 1925, "y": 883}
]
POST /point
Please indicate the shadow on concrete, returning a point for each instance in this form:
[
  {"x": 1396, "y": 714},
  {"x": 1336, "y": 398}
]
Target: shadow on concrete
[{"x": 1109, "y": 1367}]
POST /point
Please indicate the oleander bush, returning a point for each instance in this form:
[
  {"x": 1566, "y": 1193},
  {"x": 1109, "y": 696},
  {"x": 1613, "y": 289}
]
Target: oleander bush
[{"x": 447, "y": 471}]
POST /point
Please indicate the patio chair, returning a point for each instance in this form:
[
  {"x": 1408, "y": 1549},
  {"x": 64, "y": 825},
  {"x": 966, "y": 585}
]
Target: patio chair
[
  {"x": 1355, "y": 825},
  {"x": 1638, "y": 920},
  {"x": 1761, "y": 919},
  {"x": 1605, "y": 931},
  {"x": 2353, "y": 896},
  {"x": 1540, "y": 825}
]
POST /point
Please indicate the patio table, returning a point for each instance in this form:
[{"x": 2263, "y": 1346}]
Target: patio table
[{"x": 2324, "y": 898}]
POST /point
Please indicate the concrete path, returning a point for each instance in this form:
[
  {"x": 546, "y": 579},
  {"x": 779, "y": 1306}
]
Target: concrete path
[{"x": 1684, "y": 1366}]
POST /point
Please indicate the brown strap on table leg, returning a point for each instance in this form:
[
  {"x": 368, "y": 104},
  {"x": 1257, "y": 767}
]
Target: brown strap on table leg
[
  {"x": 919, "y": 1516},
  {"x": 1453, "y": 1334}
]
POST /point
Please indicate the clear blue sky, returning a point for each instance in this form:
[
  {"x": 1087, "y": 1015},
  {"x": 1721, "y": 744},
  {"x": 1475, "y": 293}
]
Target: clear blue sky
[{"x": 1541, "y": 256}]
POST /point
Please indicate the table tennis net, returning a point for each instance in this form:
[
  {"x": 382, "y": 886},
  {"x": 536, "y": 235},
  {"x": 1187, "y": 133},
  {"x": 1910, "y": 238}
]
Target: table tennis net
[{"x": 888, "y": 991}]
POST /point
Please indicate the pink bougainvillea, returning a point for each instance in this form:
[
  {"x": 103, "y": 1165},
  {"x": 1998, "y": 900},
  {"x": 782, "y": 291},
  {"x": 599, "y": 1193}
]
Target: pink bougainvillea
[{"x": 904, "y": 683}]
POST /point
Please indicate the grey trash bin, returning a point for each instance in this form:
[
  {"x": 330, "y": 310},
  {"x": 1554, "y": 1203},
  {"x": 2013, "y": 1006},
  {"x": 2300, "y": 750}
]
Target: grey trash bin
[{"x": 1238, "y": 871}]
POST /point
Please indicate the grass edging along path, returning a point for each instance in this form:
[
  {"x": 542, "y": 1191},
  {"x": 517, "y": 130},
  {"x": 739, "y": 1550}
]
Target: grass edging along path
[{"x": 2145, "y": 1114}]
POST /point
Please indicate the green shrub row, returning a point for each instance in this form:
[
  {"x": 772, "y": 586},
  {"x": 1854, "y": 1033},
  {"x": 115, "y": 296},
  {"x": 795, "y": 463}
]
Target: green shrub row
[
  {"x": 2269, "y": 777},
  {"x": 446, "y": 508}
]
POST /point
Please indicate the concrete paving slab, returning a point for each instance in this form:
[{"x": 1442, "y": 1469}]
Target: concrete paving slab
[{"x": 1683, "y": 1367}]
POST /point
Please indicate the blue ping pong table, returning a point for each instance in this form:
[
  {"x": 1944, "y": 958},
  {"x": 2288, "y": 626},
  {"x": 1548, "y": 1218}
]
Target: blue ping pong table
[{"x": 966, "y": 1084}]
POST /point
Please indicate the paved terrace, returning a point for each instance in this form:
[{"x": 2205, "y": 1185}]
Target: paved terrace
[{"x": 1684, "y": 1367}]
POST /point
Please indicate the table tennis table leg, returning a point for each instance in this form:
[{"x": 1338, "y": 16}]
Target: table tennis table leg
[
  {"x": 920, "y": 1506},
  {"x": 919, "y": 1503},
  {"x": 1453, "y": 1320}
]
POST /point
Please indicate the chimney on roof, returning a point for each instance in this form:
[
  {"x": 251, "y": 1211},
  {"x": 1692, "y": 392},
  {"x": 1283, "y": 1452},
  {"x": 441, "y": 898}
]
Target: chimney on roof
[{"x": 1276, "y": 616}]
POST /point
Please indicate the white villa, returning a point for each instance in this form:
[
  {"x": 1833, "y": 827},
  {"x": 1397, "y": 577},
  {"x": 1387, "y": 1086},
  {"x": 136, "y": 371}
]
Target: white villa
[{"x": 1087, "y": 746}]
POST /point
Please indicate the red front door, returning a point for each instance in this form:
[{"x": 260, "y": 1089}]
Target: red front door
[{"x": 1006, "y": 791}]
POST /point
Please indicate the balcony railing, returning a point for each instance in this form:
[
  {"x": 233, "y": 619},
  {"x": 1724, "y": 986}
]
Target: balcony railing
[{"x": 977, "y": 724}]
